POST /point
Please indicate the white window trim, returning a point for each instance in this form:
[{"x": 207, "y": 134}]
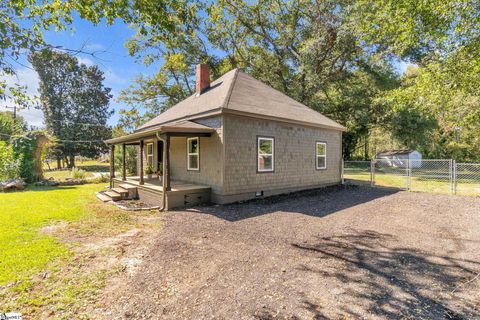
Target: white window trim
[
  {"x": 149, "y": 155},
  {"x": 320, "y": 156},
  {"x": 193, "y": 154},
  {"x": 268, "y": 154}
]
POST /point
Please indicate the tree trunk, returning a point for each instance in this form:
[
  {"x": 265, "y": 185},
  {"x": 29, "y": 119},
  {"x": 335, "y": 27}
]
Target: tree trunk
[
  {"x": 66, "y": 162},
  {"x": 59, "y": 163},
  {"x": 72, "y": 161}
]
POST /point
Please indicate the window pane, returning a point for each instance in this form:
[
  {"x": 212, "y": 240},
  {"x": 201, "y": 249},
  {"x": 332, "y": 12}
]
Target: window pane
[
  {"x": 193, "y": 146},
  {"x": 321, "y": 162},
  {"x": 149, "y": 148},
  {"x": 320, "y": 149},
  {"x": 265, "y": 162},
  {"x": 265, "y": 146},
  {"x": 193, "y": 162}
]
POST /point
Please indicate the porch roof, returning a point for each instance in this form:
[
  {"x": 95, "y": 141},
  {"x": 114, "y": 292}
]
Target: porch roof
[{"x": 179, "y": 127}]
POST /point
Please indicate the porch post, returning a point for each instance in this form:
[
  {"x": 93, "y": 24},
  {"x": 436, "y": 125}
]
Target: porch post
[
  {"x": 166, "y": 162},
  {"x": 141, "y": 163},
  {"x": 124, "y": 163},
  {"x": 112, "y": 163}
]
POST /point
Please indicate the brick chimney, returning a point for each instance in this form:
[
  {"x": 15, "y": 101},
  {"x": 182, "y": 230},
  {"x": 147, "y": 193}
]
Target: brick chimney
[{"x": 203, "y": 78}]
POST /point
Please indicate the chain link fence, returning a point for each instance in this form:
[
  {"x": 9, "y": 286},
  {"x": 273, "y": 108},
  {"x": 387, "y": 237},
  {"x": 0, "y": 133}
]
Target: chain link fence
[{"x": 428, "y": 175}]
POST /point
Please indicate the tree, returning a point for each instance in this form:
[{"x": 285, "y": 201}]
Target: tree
[
  {"x": 10, "y": 126},
  {"x": 9, "y": 164},
  {"x": 306, "y": 49},
  {"x": 75, "y": 104},
  {"x": 23, "y": 23},
  {"x": 438, "y": 112}
]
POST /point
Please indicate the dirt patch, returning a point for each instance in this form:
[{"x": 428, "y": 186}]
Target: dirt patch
[
  {"x": 360, "y": 253},
  {"x": 107, "y": 248}
]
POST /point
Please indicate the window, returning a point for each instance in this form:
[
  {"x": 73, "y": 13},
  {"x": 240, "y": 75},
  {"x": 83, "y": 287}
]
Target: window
[
  {"x": 193, "y": 154},
  {"x": 150, "y": 154},
  {"x": 321, "y": 155},
  {"x": 265, "y": 161}
]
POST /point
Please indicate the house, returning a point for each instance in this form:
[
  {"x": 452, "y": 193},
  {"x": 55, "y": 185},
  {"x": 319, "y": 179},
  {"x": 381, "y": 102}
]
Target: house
[
  {"x": 235, "y": 139},
  {"x": 400, "y": 158}
]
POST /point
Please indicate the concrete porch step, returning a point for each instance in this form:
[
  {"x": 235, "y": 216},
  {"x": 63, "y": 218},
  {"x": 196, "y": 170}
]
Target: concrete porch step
[
  {"x": 131, "y": 191},
  {"x": 114, "y": 195},
  {"x": 121, "y": 191},
  {"x": 127, "y": 186},
  {"x": 103, "y": 197}
]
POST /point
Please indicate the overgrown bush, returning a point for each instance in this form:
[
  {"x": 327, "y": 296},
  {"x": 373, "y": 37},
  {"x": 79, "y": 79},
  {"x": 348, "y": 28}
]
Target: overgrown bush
[
  {"x": 77, "y": 173},
  {"x": 28, "y": 150},
  {"x": 9, "y": 165}
]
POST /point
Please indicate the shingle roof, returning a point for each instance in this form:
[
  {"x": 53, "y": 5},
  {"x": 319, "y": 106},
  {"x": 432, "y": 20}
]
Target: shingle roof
[{"x": 237, "y": 92}]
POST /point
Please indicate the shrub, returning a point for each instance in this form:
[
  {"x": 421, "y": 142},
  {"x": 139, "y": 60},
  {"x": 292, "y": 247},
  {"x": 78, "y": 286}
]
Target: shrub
[
  {"x": 9, "y": 166},
  {"x": 149, "y": 169},
  {"x": 77, "y": 173},
  {"x": 27, "y": 150},
  {"x": 103, "y": 178}
]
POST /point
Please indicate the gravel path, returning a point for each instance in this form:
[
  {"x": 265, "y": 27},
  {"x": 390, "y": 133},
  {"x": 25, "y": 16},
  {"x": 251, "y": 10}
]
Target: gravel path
[{"x": 327, "y": 254}]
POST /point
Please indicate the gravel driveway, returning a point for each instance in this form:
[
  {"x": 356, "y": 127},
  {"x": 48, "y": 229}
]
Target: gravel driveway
[{"x": 326, "y": 254}]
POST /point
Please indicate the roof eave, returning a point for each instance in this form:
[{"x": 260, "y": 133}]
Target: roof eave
[{"x": 338, "y": 127}]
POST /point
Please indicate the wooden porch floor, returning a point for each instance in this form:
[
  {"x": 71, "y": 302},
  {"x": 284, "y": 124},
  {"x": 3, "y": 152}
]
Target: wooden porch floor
[{"x": 155, "y": 184}]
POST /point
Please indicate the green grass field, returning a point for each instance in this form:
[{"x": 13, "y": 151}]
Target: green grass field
[
  {"x": 50, "y": 274},
  {"x": 90, "y": 166},
  {"x": 419, "y": 184},
  {"x": 24, "y": 250}
]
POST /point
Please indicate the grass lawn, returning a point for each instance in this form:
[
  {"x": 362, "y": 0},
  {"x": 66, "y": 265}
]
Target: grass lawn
[
  {"x": 90, "y": 166},
  {"x": 420, "y": 184},
  {"x": 63, "y": 174},
  {"x": 39, "y": 270}
]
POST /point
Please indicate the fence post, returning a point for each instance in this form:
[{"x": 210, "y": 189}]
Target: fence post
[
  {"x": 372, "y": 173},
  {"x": 454, "y": 177},
  {"x": 407, "y": 175},
  {"x": 343, "y": 172},
  {"x": 450, "y": 174}
]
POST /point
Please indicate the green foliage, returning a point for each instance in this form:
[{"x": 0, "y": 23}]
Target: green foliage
[
  {"x": 149, "y": 169},
  {"x": 25, "y": 149},
  {"x": 10, "y": 126},
  {"x": 130, "y": 153},
  {"x": 414, "y": 29},
  {"x": 9, "y": 164},
  {"x": 334, "y": 56},
  {"x": 77, "y": 173},
  {"x": 23, "y": 23},
  {"x": 75, "y": 104},
  {"x": 437, "y": 108}
]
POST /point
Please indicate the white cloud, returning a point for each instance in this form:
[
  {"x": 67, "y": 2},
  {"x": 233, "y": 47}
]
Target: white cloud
[
  {"x": 86, "y": 61},
  {"x": 25, "y": 76}
]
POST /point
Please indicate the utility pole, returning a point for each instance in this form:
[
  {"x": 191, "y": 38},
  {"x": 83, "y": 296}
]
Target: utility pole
[{"x": 14, "y": 111}]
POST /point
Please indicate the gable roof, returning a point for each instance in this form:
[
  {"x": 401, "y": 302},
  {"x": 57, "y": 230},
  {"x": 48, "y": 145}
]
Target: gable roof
[{"x": 238, "y": 93}]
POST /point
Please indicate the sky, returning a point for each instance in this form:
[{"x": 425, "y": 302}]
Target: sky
[{"x": 111, "y": 56}]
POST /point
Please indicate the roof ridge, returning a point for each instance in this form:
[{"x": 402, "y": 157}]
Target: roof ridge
[{"x": 232, "y": 85}]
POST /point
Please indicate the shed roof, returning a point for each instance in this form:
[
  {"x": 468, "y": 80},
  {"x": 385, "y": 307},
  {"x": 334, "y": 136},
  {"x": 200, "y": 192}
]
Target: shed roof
[
  {"x": 238, "y": 93},
  {"x": 394, "y": 152}
]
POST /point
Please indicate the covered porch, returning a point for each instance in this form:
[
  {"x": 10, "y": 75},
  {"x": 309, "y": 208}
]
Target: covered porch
[
  {"x": 157, "y": 187},
  {"x": 156, "y": 184}
]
